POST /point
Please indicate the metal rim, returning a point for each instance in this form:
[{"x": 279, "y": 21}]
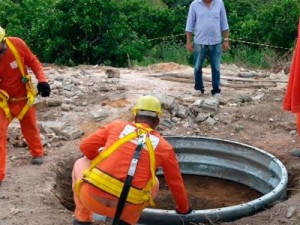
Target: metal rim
[{"x": 230, "y": 160}]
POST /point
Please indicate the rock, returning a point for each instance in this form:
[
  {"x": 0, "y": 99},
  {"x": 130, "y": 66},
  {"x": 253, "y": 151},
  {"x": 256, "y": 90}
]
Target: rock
[
  {"x": 295, "y": 152},
  {"x": 112, "y": 73},
  {"x": 291, "y": 211},
  {"x": 247, "y": 74}
]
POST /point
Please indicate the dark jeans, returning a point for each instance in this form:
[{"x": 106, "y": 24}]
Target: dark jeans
[{"x": 213, "y": 52}]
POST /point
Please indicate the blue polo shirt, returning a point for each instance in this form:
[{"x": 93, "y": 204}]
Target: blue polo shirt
[{"x": 207, "y": 23}]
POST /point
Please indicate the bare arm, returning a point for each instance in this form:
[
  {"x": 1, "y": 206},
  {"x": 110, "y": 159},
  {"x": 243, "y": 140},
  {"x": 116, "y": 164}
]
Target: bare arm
[
  {"x": 189, "y": 43},
  {"x": 225, "y": 35}
]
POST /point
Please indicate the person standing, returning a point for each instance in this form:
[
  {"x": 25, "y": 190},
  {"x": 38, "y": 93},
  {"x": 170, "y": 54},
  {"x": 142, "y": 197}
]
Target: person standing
[
  {"x": 17, "y": 96},
  {"x": 98, "y": 176},
  {"x": 291, "y": 100},
  {"x": 207, "y": 19}
]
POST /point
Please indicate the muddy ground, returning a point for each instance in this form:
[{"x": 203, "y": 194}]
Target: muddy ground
[{"x": 29, "y": 194}]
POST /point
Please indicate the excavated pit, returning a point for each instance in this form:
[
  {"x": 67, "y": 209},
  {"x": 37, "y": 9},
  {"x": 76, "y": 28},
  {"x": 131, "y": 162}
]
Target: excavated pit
[{"x": 206, "y": 193}]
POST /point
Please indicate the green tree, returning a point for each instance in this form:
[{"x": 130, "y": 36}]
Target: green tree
[
  {"x": 111, "y": 31},
  {"x": 94, "y": 31},
  {"x": 272, "y": 22}
]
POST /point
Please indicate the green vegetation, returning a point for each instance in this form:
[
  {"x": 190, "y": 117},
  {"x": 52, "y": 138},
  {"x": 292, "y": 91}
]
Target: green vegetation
[
  {"x": 145, "y": 31},
  {"x": 253, "y": 58},
  {"x": 167, "y": 51},
  {"x": 158, "y": 3}
]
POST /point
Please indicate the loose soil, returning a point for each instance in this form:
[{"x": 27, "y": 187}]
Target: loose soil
[
  {"x": 33, "y": 194},
  {"x": 207, "y": 193}
]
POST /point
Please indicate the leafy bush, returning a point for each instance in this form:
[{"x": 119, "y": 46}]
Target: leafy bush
[
  {"x": 112, "y": 31},
  {"x": 272, "y": 22},
  {"x": 248, "y": 57},
  {"x": 168, "y": 51}
]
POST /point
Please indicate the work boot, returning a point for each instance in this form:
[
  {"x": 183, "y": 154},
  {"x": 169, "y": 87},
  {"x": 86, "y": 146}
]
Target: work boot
[
  {"x": 77, "y": 222},
  {"x": 38, "y": 160}
]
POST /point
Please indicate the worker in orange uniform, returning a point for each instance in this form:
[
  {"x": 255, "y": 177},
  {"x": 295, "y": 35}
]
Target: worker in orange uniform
[
  {"x": 101, "y": 176},
  {"x": 17, "y": 95},
  {"x": 292, "y": 96}
]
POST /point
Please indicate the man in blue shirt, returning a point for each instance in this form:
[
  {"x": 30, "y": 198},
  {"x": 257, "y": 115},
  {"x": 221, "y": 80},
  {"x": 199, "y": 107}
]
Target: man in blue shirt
[{"x": 207, "y": 19}]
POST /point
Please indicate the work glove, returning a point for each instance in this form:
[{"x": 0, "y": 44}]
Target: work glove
[
  {"x": 187, "y": 212},
  {"x": 43, "y": 89}
]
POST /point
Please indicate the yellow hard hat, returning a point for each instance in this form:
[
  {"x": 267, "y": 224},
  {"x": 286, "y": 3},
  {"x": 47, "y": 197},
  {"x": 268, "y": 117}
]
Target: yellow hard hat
[
  {"x": 2, "y": 33},
  {"x": 147, "y": 103}
]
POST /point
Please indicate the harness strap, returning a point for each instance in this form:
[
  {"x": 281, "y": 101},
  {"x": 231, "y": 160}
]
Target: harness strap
[
  {"x": 114, "y": 186},
  {"x": 3, "y": 104},
  {"x": 112, "y": 149},
  {"x": 16, "y": 55},
  {"x": 152, "y": 166},
  {"x": 102, "y": 156},
  {"x": 128, "y": 180},
  {"x": 31, "y": 93}
]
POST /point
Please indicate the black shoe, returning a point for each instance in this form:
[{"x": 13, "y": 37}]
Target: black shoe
[
  {"x": 38, "y": 160},
  {"x": 215, "y": 91},
  {"x": 77, "y": 222}
]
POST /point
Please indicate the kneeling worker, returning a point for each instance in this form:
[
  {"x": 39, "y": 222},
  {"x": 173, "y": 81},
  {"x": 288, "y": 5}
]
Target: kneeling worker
[{"x": 119, "y": 181}]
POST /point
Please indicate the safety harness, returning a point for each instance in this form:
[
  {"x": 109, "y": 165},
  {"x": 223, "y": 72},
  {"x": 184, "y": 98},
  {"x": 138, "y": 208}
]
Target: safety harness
[
  {"x": 26, "y": 79},
  {"x": 123, "y": 190},
  {"x": 128, "y": 180}
]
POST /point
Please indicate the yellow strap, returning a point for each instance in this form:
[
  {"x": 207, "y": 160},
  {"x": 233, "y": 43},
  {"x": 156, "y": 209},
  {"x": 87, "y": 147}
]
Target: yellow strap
[
  {"x": 116, "y": 145},
  {"x": 152, "y": 160},
  {"x": 30, "y": 102},
  {"x": 16, "y": 54},
  {"x": 23, "y": 112},
  {"x": 114, "y": 186},
  {"x": 31, "y": 93},
  {"x": 97, "y": 180},
  {"x": 104, "y": 155},
  {"x": 4, "y": 95},
  {"x": 3, "y": 104},
  {"x": 152, "y": 181}
]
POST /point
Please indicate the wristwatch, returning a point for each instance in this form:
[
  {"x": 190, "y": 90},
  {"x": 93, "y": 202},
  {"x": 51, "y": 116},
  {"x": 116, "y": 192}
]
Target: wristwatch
[{"x": 226, "y": 39}]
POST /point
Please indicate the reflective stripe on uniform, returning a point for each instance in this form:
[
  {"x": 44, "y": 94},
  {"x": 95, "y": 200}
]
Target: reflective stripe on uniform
[{"x": 129, "y": 129}]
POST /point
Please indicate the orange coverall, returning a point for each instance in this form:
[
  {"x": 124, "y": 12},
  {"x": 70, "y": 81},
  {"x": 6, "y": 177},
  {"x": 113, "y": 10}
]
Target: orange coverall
[
  {"x": 11, "y": 82},
  {"x": 292, "y": 96},
  {"x": 117, "y": 164}
]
